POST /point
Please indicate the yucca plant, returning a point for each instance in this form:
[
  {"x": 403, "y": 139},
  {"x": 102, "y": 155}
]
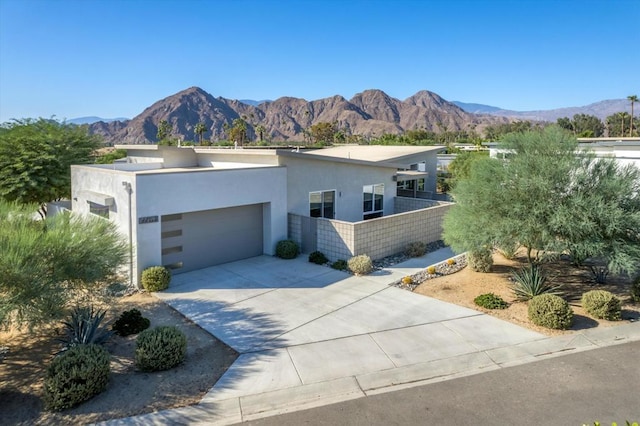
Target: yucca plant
[
  {"x": 599, "y": 274},
  {"x": 532, "y": 281},
  {"x": 85, "y": 327}
]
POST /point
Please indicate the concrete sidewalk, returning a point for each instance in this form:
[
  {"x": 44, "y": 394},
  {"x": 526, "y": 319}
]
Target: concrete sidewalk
[{"x": 310, "y": 336}]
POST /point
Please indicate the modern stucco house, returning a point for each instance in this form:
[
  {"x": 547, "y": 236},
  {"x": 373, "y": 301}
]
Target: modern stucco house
[{"x": 192, "y": 207}]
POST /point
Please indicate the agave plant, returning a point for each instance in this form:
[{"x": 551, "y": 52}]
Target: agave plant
[
  {"x": 599, "y": 274},
  {"x": 85, "y": 328},
  {"x": 532, "y": 281}
]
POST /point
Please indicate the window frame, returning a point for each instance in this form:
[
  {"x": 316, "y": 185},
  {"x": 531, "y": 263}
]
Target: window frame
[
  {"x": 373, "y": 212},
  {"x": 322, "y": 203}
]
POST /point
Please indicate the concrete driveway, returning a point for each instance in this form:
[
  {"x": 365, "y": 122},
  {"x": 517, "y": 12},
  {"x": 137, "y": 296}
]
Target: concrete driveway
[{"x": 309, "y": 335}]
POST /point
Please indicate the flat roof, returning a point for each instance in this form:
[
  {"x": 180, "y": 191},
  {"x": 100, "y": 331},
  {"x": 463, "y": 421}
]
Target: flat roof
[{"x": 372, "y": 153}]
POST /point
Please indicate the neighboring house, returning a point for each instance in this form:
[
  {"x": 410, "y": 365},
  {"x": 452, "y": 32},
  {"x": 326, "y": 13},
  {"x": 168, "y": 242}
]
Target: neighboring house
[{"x": 192, "y": 207}]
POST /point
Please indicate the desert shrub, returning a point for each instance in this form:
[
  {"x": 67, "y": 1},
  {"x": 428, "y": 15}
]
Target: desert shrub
[
  {"x": 160, "y": 348},
  {"x": 318, "y": 258},
  {"x": 340, "y": 265},
  {"x": 490, "y": 301},
  {"x": 156, "y": 278},
  {"x": 84, "y": 328},
  {"x": 480, "y": 260},
  {"x": 360, "y": 265},
  {"x": 602, "y": 304},
  {"x": 431, "y": 270},
  {"x": 416, "y": 249},
  {"x": 451, "y": 262},
  {"x": 407, "y": 280},
  {"x": 130, "y": 322},
  {"x": 75, "y": 376},
  {"x": 599, "y": 274},
  {"x": 635, "y": 289},
  {"x": 550, "y": 311},
  {"x": 508, "y": 251},
  {"x": 287, "y": 249},
  {"x": 531, "y": 281}
]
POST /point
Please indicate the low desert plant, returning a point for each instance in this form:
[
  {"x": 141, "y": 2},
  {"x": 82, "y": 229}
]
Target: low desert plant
[
  {"x": 407, "y": 280},
  {"x": 602, "y": 304},
  {"x": 318, "y": 258},
  {"x": 531, "y": 281},
  {"x": 480, "y": 260},
  {"x": 599, "y": 274},
  {"x": 340, "y": 265},
  {"x": 85, "y": 327},
  {"x": 287, "y": 249},
  {"x": 490, "y": 301},
  {"x": 508, "y": 251},
  {"x": 130, "y": 322},
  {"x": 451, "y": 262},
  {"x": 635, "y": 289},
  {"x": 550, "y": 311},
  {"x": 431, "y": 270},
  {"x": 156, "y": 278},
  {"x": 75, "y": 376},
  {"x": 160, "y": 348},
  {"x": 360, "y": 265},
  {"x": 416, "y": 249}
]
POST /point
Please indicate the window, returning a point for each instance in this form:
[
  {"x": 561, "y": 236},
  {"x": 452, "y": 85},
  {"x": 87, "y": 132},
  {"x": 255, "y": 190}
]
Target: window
[
  {"x": 322, "y": 203},
  {"x": 373, "y": 197},
  {"x": 98, "y": 209}
]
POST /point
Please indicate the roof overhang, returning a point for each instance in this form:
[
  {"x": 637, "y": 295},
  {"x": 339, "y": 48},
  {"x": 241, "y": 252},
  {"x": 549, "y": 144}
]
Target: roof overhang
[
  {"x": 405, "y": 175},
  {"x": 97, "y": 197}
]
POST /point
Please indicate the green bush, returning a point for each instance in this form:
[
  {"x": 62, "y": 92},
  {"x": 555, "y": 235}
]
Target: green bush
[
  {"x": 490, "y": 301},
  {"x": 508, "y": 251},
  {"x": 160, "y": 348},
  {"x": 318, "y": 258},
  {"x": 480, "y": 260},
  {"x": 416, "y": 249},
  {"x": 340, "y": 265},
  {"x": 85, "y": 328},
  {"x": 287, "y": 249},
  {"x": 602, "y": 304},
  {"x": 550, "y": 311},
  {"x": 156, "y": 278},
  {"x": 75, "y": 376},
  {"x": 531, "y": 281},
  {"x": 635, "y": 289},
  {"x": 130, "y": 322},
  {"x": 360, "y": 265}
]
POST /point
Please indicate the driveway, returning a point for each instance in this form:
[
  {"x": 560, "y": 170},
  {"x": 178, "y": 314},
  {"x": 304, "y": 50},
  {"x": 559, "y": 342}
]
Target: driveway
[{"x": 310, "y": 333}]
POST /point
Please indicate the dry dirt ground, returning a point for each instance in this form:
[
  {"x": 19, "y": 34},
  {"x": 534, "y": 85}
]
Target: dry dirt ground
[
  {"x": 130, "y": 391},
  {"x": 463, "y": 286}
]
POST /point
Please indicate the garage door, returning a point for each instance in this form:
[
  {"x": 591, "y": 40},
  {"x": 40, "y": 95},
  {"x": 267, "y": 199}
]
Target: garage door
[{"x": 197, "y": 240}]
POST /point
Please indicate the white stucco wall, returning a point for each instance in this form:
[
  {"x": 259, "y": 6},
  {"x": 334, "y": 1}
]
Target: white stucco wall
[
  {"x": 347, "y": 179},
  {"x": 162, "y": 192}
]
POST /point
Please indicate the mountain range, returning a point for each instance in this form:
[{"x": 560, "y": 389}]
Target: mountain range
[{"x": 370, "y": 113}]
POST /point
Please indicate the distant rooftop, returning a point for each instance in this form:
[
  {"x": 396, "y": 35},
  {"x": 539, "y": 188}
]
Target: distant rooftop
[{"x": 372, "y": 153}]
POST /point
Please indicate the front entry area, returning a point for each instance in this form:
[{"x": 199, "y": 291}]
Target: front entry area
[{"x": 197, "y": 240}]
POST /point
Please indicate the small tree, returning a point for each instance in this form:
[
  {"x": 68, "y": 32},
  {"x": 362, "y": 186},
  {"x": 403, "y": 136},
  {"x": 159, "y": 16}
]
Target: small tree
[
  {"x": 238, "y": 131},
  {"x": 633, "y": 99},
  {"x": 36, "y": 158},
  {"x": 549, "y": 198},
  {"x": 164, "y": 131}
]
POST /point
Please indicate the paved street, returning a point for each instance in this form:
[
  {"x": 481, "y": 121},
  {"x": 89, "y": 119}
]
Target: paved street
[{"x": 601, "y": 384}]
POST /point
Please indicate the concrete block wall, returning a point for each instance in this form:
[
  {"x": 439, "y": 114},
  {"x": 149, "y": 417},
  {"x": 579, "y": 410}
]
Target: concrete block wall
[
  {"x": 377, "y": 238},
  {"x": 405, "y": 204},
  {"x": 294, "y": 228}
]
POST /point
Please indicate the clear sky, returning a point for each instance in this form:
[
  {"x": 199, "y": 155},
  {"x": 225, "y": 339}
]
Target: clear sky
[{"x": 72, "y": 58}]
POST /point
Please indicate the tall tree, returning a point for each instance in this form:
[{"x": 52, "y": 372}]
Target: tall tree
[
  {"x": 549, "y": 199},
  {"x": 238, "y": 131},
  {"x": 164, "y": 131},
  {"x": 48, "y": 264},
  {"x": 323, "y": 132},
  {"x": 200, "y": 129},
  {"x": 632, "y": 99},
  {"x": 36, "y": 158},
  {"x": 617, "y": 124},
  {"x": 260, "y": 129},
  {"x": 583, "y": 125}
]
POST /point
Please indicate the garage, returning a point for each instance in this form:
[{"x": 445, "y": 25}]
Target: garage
[{"x": 196, "y": 240}]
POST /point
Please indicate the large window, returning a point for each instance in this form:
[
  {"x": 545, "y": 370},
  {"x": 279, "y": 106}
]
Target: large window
[
  {"x": 322, "y": 204},
  {"x": 373, "y": 200}
]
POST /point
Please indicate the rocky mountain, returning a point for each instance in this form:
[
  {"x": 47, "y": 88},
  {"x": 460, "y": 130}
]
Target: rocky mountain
[
  {"x": 93, "y": 119},
  {"x": 601, "y": 109},
  {"x": 370, "y": 113}
]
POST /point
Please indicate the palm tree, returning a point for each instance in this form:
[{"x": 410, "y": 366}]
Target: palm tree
[
  {"x": 632, "y": 98},
  {"x": 200, "y": 129}
]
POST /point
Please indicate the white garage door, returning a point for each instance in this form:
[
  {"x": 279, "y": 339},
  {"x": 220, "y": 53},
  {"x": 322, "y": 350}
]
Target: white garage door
[{"x": 197, "y": 240}]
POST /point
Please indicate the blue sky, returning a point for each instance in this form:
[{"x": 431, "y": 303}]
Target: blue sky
[{"x": 115, "y": 58}]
